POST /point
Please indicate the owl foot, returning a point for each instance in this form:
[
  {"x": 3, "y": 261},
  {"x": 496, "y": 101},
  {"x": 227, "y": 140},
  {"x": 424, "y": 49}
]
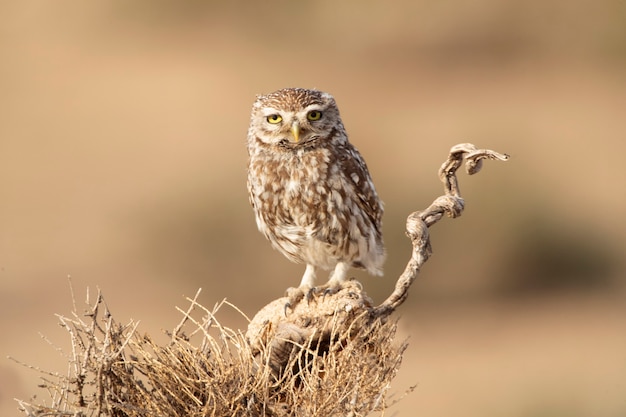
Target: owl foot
[
  {"x": 330, "y": 288},
  {"x": 295, "y": 295}
]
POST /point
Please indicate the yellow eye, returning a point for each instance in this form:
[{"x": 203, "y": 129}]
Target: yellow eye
[
  {"x": 274, "y": 118},
  {"x": 314, "y": 115}
]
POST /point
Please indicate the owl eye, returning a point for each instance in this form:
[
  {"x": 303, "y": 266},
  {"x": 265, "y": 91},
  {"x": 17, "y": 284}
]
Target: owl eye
[
  {"x": 314, "y": 115},
  {"x": 274, "y": 118}
]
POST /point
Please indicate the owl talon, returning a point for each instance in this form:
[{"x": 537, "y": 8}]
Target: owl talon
[
  {"x": 311, "y": 294},
  {"x": 294, "y": 296},
  {"x": 329, "y": 291},
  {"x": 286, "y": 307}
]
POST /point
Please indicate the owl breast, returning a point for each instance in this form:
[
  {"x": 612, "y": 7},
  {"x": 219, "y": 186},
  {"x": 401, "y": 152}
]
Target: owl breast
[{"x": 308, "y": 208}]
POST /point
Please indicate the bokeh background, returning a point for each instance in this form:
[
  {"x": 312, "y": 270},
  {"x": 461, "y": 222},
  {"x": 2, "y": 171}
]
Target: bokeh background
[{"x": 122, "y": 166}]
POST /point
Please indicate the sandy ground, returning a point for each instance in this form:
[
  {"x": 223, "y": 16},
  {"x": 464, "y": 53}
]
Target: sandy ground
[{"x": 122, "y": 165}]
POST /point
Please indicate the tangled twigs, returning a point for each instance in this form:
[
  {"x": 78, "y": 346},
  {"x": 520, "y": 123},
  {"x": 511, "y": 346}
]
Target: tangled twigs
[{"x": 311, "y": 322}]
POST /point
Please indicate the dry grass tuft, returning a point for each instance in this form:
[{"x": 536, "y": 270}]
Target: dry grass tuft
[{"x": 210, "y": 370}]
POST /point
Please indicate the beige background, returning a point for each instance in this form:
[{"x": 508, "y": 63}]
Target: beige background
[{"x": 122, "y": 165}]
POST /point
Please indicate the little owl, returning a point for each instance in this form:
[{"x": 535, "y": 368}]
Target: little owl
[{"x": 310, "y": 189}]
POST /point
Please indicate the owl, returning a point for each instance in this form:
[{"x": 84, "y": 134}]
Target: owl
[{"x": 312, "y": 195}]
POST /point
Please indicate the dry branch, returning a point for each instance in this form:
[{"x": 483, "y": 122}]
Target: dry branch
[{"x": 331, "y": 356}]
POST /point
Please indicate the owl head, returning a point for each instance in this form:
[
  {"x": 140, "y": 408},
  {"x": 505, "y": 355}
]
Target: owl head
[{"x": 294, "y": 117}]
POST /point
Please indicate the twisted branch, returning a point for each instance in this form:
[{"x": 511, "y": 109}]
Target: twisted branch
[{"x": 418, "y": 222}]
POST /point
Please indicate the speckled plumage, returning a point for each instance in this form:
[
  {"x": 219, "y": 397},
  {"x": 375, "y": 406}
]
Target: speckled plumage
[{"x": 310, "y": 189}]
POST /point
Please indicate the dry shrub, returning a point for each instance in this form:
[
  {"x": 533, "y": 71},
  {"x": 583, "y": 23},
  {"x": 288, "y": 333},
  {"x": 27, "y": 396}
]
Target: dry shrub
[{"x": 210, "y": 370}]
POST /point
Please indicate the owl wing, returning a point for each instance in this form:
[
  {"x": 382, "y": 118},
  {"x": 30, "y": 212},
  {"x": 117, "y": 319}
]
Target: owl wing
[{"x": 358, "y": 176}]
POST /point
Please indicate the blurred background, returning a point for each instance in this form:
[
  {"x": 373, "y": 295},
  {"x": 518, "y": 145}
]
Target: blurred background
[{"x": 123, "y": 166}]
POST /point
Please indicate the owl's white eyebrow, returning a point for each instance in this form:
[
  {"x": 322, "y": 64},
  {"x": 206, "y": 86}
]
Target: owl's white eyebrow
[{"x": 314, "y": 107}]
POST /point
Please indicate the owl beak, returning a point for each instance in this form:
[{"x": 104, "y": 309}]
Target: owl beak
[{"x": 295, "y": 130}]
